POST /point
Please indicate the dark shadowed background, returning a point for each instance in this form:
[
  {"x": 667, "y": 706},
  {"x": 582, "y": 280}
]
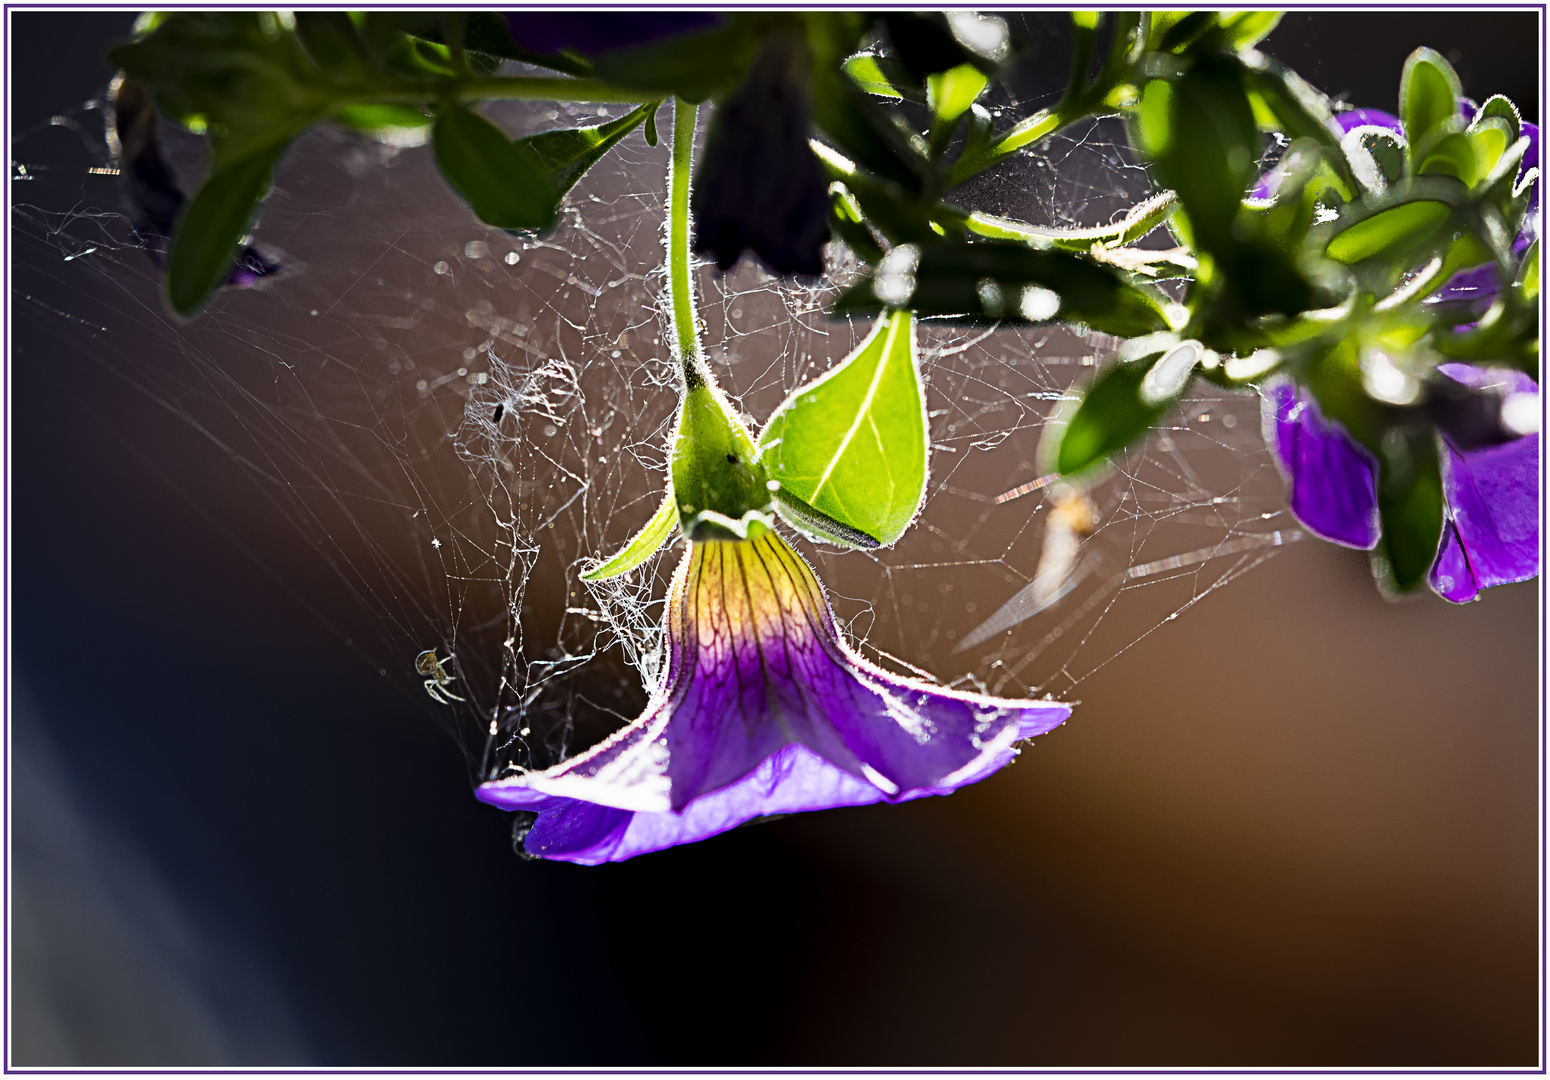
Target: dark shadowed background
[{"x": 1300, "y": 826}]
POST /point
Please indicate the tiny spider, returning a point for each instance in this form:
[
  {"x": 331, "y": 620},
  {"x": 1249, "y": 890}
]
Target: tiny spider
[{"x": 437, "y": 685}]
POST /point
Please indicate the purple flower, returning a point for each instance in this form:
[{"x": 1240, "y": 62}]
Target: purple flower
[
  {"x": 760, "y": 186},
  {"x": 762, "y": 708},
  {"x": 1490, "y": 487}
]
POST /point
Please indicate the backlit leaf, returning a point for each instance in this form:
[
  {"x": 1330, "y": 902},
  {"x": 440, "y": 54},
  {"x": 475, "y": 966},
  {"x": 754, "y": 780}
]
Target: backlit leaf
[
  {"x": 205, "y": 245},
  {"x": 1428, "y": 95},
  {"x": 502, "y": 181},
  {"x": 642, "y": 545},
  {"x": 567, "y": 153},
  {"x": 1399, "y": 226},
  {"x": 852, "y": 445}
]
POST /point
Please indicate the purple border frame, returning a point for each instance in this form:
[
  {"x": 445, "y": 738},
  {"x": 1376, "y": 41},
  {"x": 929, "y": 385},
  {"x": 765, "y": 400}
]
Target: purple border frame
[{"x": 5, "y": 664}]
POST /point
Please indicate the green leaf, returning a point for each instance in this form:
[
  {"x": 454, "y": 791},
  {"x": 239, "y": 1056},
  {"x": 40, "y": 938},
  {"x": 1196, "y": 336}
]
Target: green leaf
[
  {"x": 865, "y": 133},
  {"x": 1201, "y": 133},
  {"x": 1527, "y": 284},
  {"x": 1502, "y": 109},
  {"x": 884, "y": 77},
  {"x": 205, "y": 245},
  {"x": 1376, "y": 156},
  {"x": 1409, "y": 506},
  {"x": 1242, "y": 29},
  {"x": 992, "y": 280},
  {"x": 820, "y": 526},
  {"x": 1453, "y": 155},
  {"x": 384, "y": 120},
  {"x": 567, "y": 153},
  {"x": 1428, "y": 95},
  {"x": 693, "y": 65},
  {"x": 1175, "y": 31},
  {"x": 853, "y": 444},
  {"x": 1120, "y": 406},
  {"x": 642, "y": 545},
  {"x": 1297, "y": 109},
  {"x": 1139, "y": 220},
  {"x": 242, "y": 76},
  {"x": 950, "y": 93},
  {"x": 505, "y": 183},
  {"x": 1489, "y": 137},
  {"x": 1398, "y": 227}
]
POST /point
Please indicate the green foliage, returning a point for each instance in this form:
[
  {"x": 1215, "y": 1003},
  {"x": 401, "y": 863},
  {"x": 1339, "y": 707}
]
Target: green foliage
[
  {"x": 567, "y": 153},
  {"x": 642, "y": 545},
  {"x": 505, "y": 183},
  {"x": 995, "y": 280},
  {"x": 717, "y": 476},
  {"x": 1120, "y": 406},
  {"x": 852, "y": 445},
  {"x": 212, "y": 229},
  {"x": 1428, "y": 98},
  {"x": 1409, "y": 506},
  {"x": 1357, "y": 235}
]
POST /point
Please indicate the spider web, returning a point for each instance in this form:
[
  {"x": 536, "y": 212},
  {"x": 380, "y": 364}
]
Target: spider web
[{"x": 457, "y": 420}]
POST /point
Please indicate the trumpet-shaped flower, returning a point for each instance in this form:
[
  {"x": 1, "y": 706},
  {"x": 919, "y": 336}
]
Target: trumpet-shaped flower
[{"x": 762, "y": 708}]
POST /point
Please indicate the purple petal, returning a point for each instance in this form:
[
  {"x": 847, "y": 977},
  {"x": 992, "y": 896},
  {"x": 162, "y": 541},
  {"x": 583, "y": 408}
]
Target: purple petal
[
  {"x": 762, "y": 709},
  {"x": 1332, "y": 479},
  {"x": 1492, "y": 533},
  {"x": 1352, "y": 119}
]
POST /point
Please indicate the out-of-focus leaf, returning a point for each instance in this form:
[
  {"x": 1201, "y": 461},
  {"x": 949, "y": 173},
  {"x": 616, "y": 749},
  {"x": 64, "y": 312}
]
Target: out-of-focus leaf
[
  {"x": 1241, "y": 29},
  {"x": 1201, "y": 134},
  {"x": 1114, "y": 412},
  {"x": 1398, "y": 227},
  {"x": 1428, "y": 96},
  {"x": 383, "y": 118},
  {"x": 1298, "y": 109},
  {"x": 925, "y": 43},
  {"x": 883, "y": 76},
  {"x": 996, "y": 280},
  {"x": 693, "y": 65},
  {"x": 505, "y": 183},
  {"x": 1527, "y": 284},
  {"x": 951, "y": 92},
  {"x": 847, "y": 223},
  {"x": 243, "y": 77},
  {"x": 207, "y": 237},
  {"x": 1409, "y": 506},
  {"x": 333, "y": 41},
  {"x": 852, "y": 445},
  {"x": 865, "y": 133},
  {"x": 567, "y": 153},
  {"x": 1175, "y": 31},
  {"x": 642, "y": 545}
]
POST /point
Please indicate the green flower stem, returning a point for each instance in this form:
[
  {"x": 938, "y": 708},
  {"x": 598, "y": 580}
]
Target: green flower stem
[{"x": 680, "y": 278}]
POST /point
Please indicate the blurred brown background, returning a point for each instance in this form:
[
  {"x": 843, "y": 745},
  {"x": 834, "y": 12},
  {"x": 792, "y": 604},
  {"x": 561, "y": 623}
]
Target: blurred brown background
[{"x": 1299, "y": 826}]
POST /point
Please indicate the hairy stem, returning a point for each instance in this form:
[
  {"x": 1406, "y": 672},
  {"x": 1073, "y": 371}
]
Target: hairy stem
[{"x": 680, "y": 279}]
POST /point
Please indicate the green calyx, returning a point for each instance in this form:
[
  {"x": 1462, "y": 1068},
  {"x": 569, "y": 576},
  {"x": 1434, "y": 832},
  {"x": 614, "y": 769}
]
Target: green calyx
[{"x": 721, "y": 488}]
